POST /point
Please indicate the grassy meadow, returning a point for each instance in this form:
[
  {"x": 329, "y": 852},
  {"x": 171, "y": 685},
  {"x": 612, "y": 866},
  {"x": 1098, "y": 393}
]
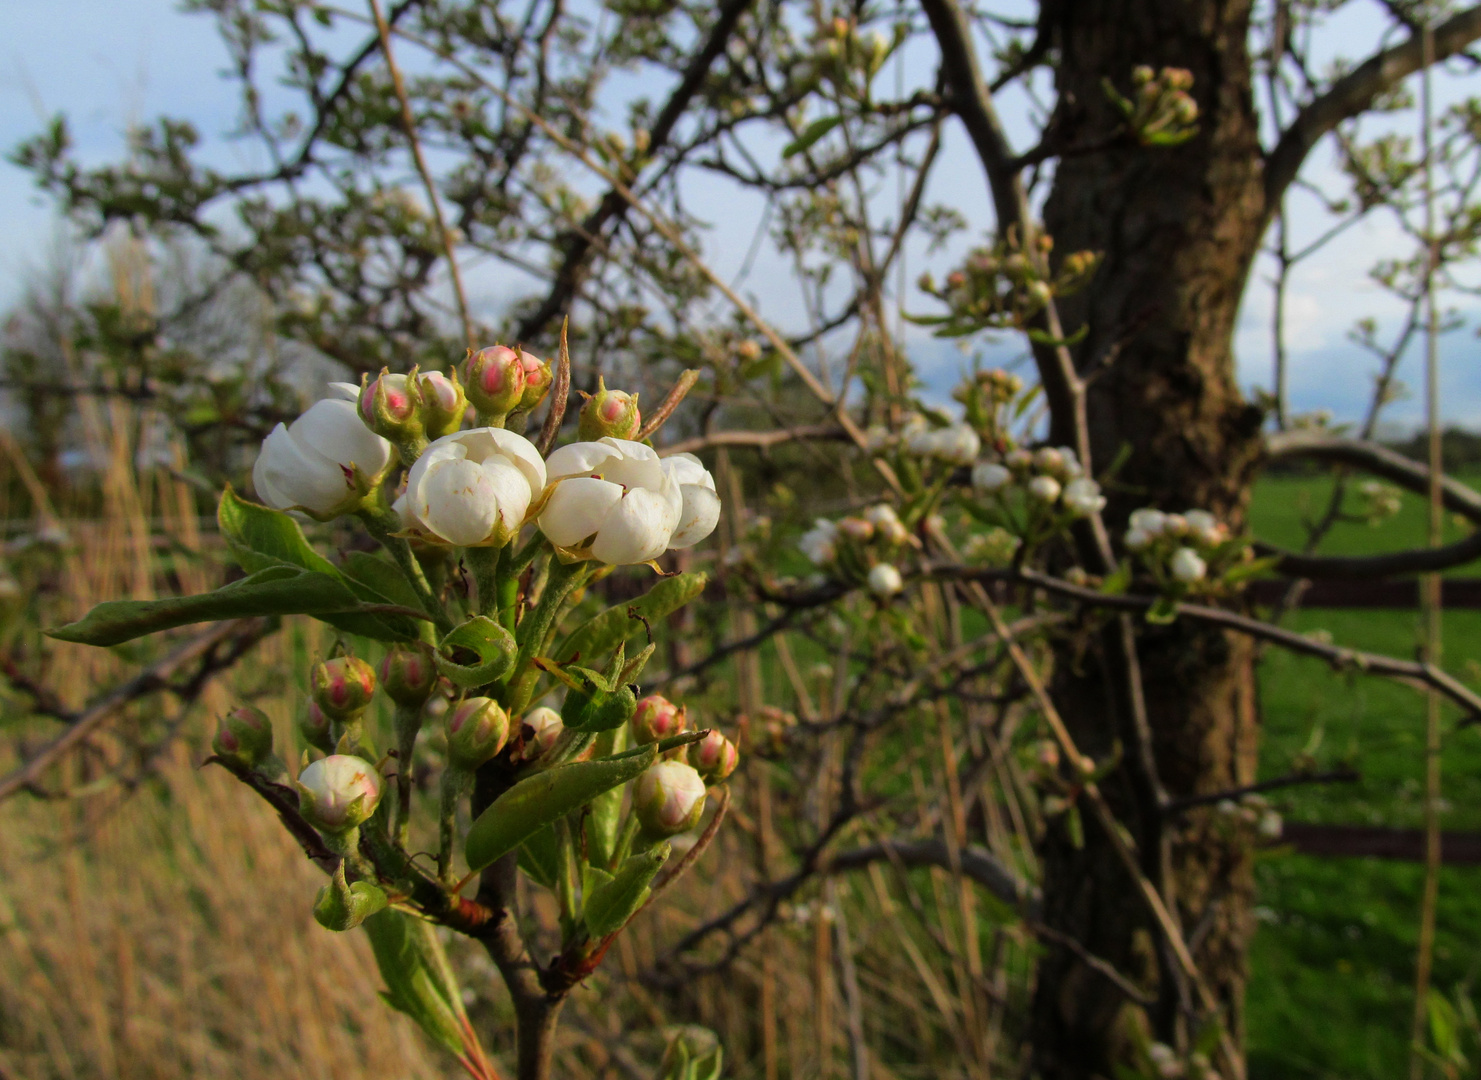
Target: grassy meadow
[{"x": 1332, "y": 964}]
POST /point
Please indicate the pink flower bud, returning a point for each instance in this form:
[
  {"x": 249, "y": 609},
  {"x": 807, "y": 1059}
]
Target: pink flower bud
[
  {"x": 244, "y": 737},
  {"x": 545, "y": 726},
  {"x": 476, "y": 730},
  {"x": 342, "y": 687},
  {"x": 314, "y": 727},
  {"x": 443, "y": 403},
  {"x": 611, "y": 413},
  {"x": 657, "y": 718},
  {"x": 338, "y": 792},
  {"x": 538, "y": 378},
  {"x": 495, "y": 380},
  {"x": 669, "y": 798},
  {"x": 714, "y": 757},
  {"x": 408, "y": 674}
]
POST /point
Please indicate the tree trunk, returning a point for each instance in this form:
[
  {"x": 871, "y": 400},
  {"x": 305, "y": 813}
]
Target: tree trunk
[{"x": 1179, "y": 228}]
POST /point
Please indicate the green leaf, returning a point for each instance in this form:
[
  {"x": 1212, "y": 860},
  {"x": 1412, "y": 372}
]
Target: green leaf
[
  {"x": 1118, "y": 582},
  {"x": 1164, "y": 611},
  {"x": 419, "y": 980},
  {"x": 478, "y": 652},
  {"x": 811, "y": 134},
  {"x": 1241, "y": 572},
  {"x": 539, "y": 800},
  {"x": 260, "y": 537},
  {"x": 611, "y": 903},
  {"x": 602, "y": 633},
  {"x": 381, "y": 575},
  {"x": 540, "y": 857},
  {"x": 278, "y": 590},
  {"x": 1043, "y": 337}
]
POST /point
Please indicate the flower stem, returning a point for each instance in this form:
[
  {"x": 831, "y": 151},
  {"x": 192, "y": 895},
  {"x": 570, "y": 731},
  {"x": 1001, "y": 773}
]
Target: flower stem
[
  {"x": 564, "y": 578},
  {"x": 454, "y": 782},
  {"x": 381, "y": 523},
  {"x": 484, "y": 562}
]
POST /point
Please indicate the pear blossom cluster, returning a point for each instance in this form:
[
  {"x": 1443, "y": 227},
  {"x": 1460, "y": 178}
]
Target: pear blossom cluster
[
  {"x": 606, "y": 498},
  {"x": 861, "y": 548},
  {"x": 1178, "y": 549},
  {"x": 1033, "y": 493}
]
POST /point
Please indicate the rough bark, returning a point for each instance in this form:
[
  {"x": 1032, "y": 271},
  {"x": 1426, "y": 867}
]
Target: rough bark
[{"x": 1179, "y": 229}]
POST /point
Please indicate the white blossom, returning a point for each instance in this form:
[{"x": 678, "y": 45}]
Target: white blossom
[
  {"x": 1082, "y": 497},
  {"x": 885, "y": 580},
  {"x": 1148, "y": 521},
  {"x": 1187, "y": 566},
  {"x": 614, "y": 501},
  {"x": 313, "y": 463},
  {"x": 820, "y": 543},
  {"x": 701, "y": 511},
  {"x": 1044, "y": 488},
  {"x": 472, "y": 488},
  {"x": 990, "y": 477},
  {"x": 669, "y": 798},
  {"x": 338, "y": 792}
]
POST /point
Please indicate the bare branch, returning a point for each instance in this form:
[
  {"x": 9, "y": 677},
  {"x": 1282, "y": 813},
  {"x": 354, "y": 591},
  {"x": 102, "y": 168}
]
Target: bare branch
[{"x": 1354, "y": 92}]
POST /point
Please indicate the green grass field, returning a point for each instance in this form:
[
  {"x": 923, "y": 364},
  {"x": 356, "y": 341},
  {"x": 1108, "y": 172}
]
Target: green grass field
[{"x": 1332, "y": 964}]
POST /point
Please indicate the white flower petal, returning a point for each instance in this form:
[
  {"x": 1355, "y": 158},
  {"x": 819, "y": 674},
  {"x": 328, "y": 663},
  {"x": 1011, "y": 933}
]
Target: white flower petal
[
  {"x": 457, "y": 501},
  {"x": 636, "y": 530},
  {"x": 511, "y": 487},
  {"x": 299, "y": 476},
  {"x": 576, "y": 509},
  {"x": 333, "y": 428},
  {"x": 688, "y": 469},
  {"x": 577, "y": 459},
  {"x": 700, "y": 515}
]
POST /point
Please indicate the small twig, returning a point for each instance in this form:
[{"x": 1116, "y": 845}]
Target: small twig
[
  {"x": 559, "y": 395},
  {"x": 408, "y": 121},
  {"x": 1335, "y": 776},
  {"x": 692, "y": 856},
  {"x": 677, "y": 394},
  {"x": 1090, "y": 960},
  {"x": 760, "y": 440}
]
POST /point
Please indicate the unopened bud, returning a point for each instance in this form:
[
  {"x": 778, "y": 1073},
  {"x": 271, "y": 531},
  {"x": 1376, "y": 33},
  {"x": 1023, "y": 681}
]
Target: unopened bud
[
  {"x": 1044, "y": 488},
  {"x": 494, "y": 380},
  {"x": 408, "y": 674},
  {"x": 856, "y": 529},
  {"x": 538, "y": 378},
  {"x": 390, "y": 405},
  {"x": 338, "y": 792},
  {"x": 443, "y": 403},
  {"x": 315, "y": 729},
  {"x": 885, "y": 580},
  {"x": 669, "y": 798},
  {"x": 545, "y": 726},
  {"x": 657, "y": 718},
  {"x": 611, "y": 413},
  {"x": 1046, "y": 755},
  {"x": 714, "y": 757},
  {"x": 749, "y": 350},
  {"x": 476, "y": 731},
  {"x": 342, "y": 687},
  {"x": 244, "y": 737}
]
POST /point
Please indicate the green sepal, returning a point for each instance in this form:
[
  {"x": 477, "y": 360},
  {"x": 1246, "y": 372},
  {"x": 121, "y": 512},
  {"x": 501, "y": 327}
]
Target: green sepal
[
  {"x": 341, "y": 906},
  {"x": 419, "y": 980},
  {"x": 537, "y": 801},
  {"x": 602, "y": 633},
  {"x": 611, "y": 903},
  {"x": 600, "y": 710},
  {"x": 1164, "y": 610},
  {"x": 478, "y": 652},
  {"x": 277, "y": 590}
]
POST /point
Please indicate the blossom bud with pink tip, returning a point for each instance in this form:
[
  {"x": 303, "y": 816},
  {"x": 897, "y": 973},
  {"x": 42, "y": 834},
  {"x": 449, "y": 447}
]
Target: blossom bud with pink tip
[
  {"x": 338, "y": 792},
  {"x": 477, "y": 729},
  {"x": 494, "y": 380},
  {"x": 342, "y": 687},
  {"x": 657, "y": 718},
  {"x": 244, "y": 737},
  {"x": 669, "y": 798},
  {"x": 609, "y": 414},
  {"x": 714, "y": 757},
  {"x": 408, "y": 674}
]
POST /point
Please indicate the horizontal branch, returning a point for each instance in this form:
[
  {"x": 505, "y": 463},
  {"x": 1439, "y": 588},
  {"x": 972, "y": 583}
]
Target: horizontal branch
[
  {"x": 758, "y": 440},
  {"x": 1335, "y": 776},
  {"x": 1404, "y": 563},
  {"x": 1354, "y": 93},
  {"x": 1376, "y": 459},
  {"x": 243, "y": 632}
]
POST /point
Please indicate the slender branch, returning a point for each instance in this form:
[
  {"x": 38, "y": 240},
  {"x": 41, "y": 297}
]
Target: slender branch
[
  {"x": 409, "y": 122},
  {"x": 1374, "y": 458},
  {"x": 560, "y": 395},
  {"x": 675, "y": 396},
  {"x": 759, "y": 440},
  {"x": 1335, "y": 776},
  {"x": 1354, "y": 92},
  {"x": 155, "y": 677}
]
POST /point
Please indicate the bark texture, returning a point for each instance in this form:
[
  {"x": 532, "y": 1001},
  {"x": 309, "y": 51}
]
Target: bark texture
[{"x": 1179, "y": 229}]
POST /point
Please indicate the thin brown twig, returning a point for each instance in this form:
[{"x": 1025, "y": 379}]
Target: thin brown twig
[
  {"x": 408, "y": 121},
  {"x": 560, "y": 394},
  {"x": 675, "y": 396}
]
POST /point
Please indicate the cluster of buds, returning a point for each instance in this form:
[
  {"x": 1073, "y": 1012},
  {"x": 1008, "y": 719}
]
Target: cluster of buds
[
  {"x": 1049, "y": 484},
  {"x": 408, "y": 410},
  {"x": 994, "y": 547},
  {"x": 849, "y": 59},
  {"x": 954, "y": 444},
  {"x": 1185, "y": 552},
  {"x": 1005, "y": 286},
  {"x": 861, "y": 549},
  {"x": 502, "y": 382},
  {"x": 1380, "y": 501},
  {"x": 1253, "y": 814},
  {"x": 1160, "y": 111},
  {"x": 989, "y": 398}
]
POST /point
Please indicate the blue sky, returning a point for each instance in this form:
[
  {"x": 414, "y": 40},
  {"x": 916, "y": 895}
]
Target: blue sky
[{"x": 107, "y": 63}]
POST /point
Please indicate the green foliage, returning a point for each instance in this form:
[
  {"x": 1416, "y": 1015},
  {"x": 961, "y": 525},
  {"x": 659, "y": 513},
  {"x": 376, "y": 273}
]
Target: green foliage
[
  {"x": 610, "y": 903},
  {"x": 538, "y": 800},
  {"x": 419, "y": 980},
  {"x": 602, "y": 633},
  {"x": 478, "y": 652}
]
